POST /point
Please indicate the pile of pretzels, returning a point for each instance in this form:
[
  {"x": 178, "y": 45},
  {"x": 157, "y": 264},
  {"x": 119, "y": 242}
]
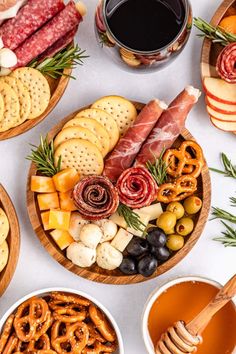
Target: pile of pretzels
[{"x": 58, "y": 323}]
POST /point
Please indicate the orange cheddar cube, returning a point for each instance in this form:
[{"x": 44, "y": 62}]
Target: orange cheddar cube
[
  {"x": 59, "y": 219},
  {"x": 45, "y": 220},
  {"x": 41, "y": 184},
  {"x": 66, "y": 201},
  {"x": 62, "y": 238},
  {"x": 66, "y": 179},
  {"x": 48, "y": 201}
]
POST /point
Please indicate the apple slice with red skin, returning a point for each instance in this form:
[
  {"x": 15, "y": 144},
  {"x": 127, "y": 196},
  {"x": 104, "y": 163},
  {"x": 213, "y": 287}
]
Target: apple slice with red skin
[
  {"x": 220, "y": 107},
  {"x": 221, "y": 116},
  {"x": 226, "y": 126},
  {"x": 220, "y": 90}
]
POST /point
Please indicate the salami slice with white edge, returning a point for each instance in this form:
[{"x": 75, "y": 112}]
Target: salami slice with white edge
[{"x": 226, "y": 63}]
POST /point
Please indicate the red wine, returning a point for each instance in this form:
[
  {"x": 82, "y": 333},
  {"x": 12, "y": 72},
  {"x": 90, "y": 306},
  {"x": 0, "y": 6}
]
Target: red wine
[{"x": 145, "y": 25}]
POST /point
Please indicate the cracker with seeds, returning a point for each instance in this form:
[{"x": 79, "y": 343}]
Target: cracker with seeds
[
  {"x": 38, "y": 88},
  {"x": 1, "y": 106},
  {"x": 77, "y": 132},
  {"x": 122, "y": 110},
  {"x": 4, "y": 226},
  {"x": 11, "y": 113},
  {"x": 81, "y": 155},
  {"x": 23, "y": 96},
  {"x": 4, "y": 254},
  {"x": 106, "y": 120},
  {"x": 96, "y": 128}
]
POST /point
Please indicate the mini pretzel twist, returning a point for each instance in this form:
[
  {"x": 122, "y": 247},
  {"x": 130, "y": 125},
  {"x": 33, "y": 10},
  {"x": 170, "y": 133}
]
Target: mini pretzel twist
[
  {"x": 180, "y": 161},
  {"x": 71, "y": 313},
  {"x": 182, "y": 188},
  {"x": 94, "y": 335},
  {"x": 49, "y": 351},
  {"x": 65, "y": 299},
  {"x": 6, "y": 332},
  {"x": 100, "y": 348},
  {"x": 43, "y": 343},
  {"x": 101, "y": 323},
  {"x": 11, "y": 345}
]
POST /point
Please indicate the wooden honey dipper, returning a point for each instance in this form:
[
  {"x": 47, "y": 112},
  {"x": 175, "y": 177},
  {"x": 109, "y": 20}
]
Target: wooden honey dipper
[{"x": 184, "y": 338}]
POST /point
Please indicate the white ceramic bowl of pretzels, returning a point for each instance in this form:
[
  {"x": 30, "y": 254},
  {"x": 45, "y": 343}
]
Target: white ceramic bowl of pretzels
[{"x": 59, "y": 321}]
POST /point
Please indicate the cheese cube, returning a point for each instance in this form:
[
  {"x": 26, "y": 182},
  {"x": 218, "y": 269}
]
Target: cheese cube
[
  {"x": 41, "y": 184},
  {"x": 121, "y": 240},
  {"x": 66, "y": 179},
  {"x": 59, "y": 219},
  {"x": 48, "y": 201},
  {"x": 145, "y": 220},
  {"x": 62, "y": 238},
  {"x": 66, "y": 201},
  {"x": 118, "y": 220},
  {"x": 45, "y": 220},
  {"x": 154, "y": 211}
]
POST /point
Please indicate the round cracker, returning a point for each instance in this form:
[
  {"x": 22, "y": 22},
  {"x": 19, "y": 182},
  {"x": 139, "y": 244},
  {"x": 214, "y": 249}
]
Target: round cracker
[
  {"x": 4, "y": 254},
  {"x": 1, "y": 107},
  {"x": 95, "y": 127},
  {"x": 106, "y": 120},
  {"x": 23, "y": 96},
  {"x": 77, "y": 132},
  {"x": 4, "y": 226},
  {"x": 81, "y": 155},
  {"x": 38, "y": 88},
  {"x": 11, "y": 113},
  {"x": 122, "y": 110}
]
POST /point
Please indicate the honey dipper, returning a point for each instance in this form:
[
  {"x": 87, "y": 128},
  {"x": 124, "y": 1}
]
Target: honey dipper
[{"x": 184, "y": 338}]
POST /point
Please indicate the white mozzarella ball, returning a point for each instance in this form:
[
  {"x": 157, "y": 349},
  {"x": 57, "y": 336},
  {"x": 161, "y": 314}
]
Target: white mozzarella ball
[
  {"x": 81, "y": 255},
  {"x": 91, "y": 235},
  {"x": 109, "y": 229},
  {"x": 76, "y": 224},
  {"x": 108, "y": 257},
  {"x": 8, "y": 59}
]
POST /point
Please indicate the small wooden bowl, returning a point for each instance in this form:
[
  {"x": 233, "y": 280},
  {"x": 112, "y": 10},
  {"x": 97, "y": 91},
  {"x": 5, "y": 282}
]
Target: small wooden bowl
[
  {"x": 210, "y": 51},
  {"x": 57, "y": 87},
  {"x": 13, "y": 240},
  {"x": 96, "y": 273}
]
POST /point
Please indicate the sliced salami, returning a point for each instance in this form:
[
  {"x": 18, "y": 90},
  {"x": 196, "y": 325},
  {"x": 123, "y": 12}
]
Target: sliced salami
[
  {"x": 95, "y": 197},
  {"x": 226, "y": 63},
  {"x": 136, "y": 187},
  {"x": 49, "y": 34},
  {"x": 129, "y": 145},
  {"x": 29, "y": 19},
  {"x": 168, "y": 127}
]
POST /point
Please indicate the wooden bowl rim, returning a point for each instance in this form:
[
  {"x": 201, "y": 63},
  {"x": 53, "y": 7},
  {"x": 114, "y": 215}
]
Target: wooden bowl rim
[
  {"x": 120, "y": 279},
  {"x": 14, "y": 237}
]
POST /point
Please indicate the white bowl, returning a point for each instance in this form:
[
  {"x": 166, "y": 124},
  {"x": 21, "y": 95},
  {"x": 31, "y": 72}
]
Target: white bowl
[
  {"x": 155, "y": 294},
  {"x": 46, "y": 291}
]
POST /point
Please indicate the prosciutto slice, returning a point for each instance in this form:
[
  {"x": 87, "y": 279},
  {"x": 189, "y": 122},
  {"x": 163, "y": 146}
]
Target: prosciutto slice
[
  {"x": 169, "y": 126},
  {"x": 128, "y": 147}
]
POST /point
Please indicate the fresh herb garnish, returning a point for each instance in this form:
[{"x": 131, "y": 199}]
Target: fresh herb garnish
[
  {"x": 159, "y": 169},
  {"x": 215, "y": 34},
  {"x": 228, "y": 238},
  {"x": 223, "y": 215},
  {"x": 65, "y": 59},
  {"x": 233, "y": 201},
  {"x": 229, "y": 168},
  {"x": 43, "y": 157},
  {"x": 132, "y": 219}
]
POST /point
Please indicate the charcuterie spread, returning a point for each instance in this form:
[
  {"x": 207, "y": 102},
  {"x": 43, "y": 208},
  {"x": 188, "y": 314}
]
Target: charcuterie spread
[
  {"x": 58, "y": 323},
  {"x": 115, "y": 192},
  {"x": 4, "y": 232}
]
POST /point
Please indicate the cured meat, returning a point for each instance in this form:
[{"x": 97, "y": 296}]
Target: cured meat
[
  {"x": 59, "y": 26},
  {"x": 28, "y": 20},
  {"x": 226, "y": 63},
  {"x": 136, "y": 187},
  {"x": 95, "y": 197},
  {"x": 168, "y": 127},
  {"x": 129, "y": 145}
]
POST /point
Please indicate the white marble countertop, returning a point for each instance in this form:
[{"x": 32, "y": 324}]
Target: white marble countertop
[{"x": 98, "y": 77}]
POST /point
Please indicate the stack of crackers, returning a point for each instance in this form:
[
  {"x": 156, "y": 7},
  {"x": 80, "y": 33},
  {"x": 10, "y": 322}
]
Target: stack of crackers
[
  {"x": 24, "y": 94},
  {"x": 4, "y": 231},
  {"x": 85, "y": 140}
]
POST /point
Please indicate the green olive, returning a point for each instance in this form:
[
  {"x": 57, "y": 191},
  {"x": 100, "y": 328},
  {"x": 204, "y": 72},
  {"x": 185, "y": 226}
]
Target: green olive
[
  {"x": 175, "y": 242},
  {"x": 192, "y": 205},
  {"x": 166, "y": 221},
  {"x": 184, "y": 226},
  {"x": 176, "y": 208}
]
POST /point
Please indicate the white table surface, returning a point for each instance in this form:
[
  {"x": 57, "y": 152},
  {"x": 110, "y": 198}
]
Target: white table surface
[{"x": 99, "y": 76}]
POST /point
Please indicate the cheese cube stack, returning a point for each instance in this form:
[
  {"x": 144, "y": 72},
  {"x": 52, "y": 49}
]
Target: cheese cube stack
[
  {"x": 66, "y": 201},
  {"x": 66, "y": 179},
  {"x": 41, "y": 184},
  {"x": 59, "y": 219},
  {"x": 48, "y": 201},
  {"x": 62, "y": 238}
]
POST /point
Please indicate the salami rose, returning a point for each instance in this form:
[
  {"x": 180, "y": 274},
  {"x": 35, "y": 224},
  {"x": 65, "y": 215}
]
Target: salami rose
[
  {"x": 95, "y": 197},
  {"x": 226, "y": 63},
  {"x": 136, "y": 188}
]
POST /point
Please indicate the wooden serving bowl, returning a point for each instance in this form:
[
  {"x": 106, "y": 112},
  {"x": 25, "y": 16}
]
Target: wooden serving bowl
[
  {"x": 13, "y": 240},
  {"x": 96, "y": 273},
  {"x": 210, "y": 51},
  {"x": 57, "y": 87}
]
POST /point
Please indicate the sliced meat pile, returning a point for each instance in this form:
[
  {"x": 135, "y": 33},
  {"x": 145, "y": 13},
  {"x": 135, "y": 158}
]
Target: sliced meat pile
[
  {"x": 226, "y": 63},
  {"x": 95, "y": 197},
  {"x": 136, "y": 188}
]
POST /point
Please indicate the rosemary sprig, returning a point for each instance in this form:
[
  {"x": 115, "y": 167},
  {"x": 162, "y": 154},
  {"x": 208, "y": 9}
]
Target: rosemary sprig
[
  {"x": 218, "y": 213},
  {"x": 215, "y": 34},
  {"x": 65, "y": 59},
  {"x": 229, "y": 168},
  {"x": 159, "y": 169},
  {"x": 43, "y": 157},
  {"x": 233, "y": 201},
  {"x": 132, "y": 219},
  {"x": 228, "y": 238}
]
